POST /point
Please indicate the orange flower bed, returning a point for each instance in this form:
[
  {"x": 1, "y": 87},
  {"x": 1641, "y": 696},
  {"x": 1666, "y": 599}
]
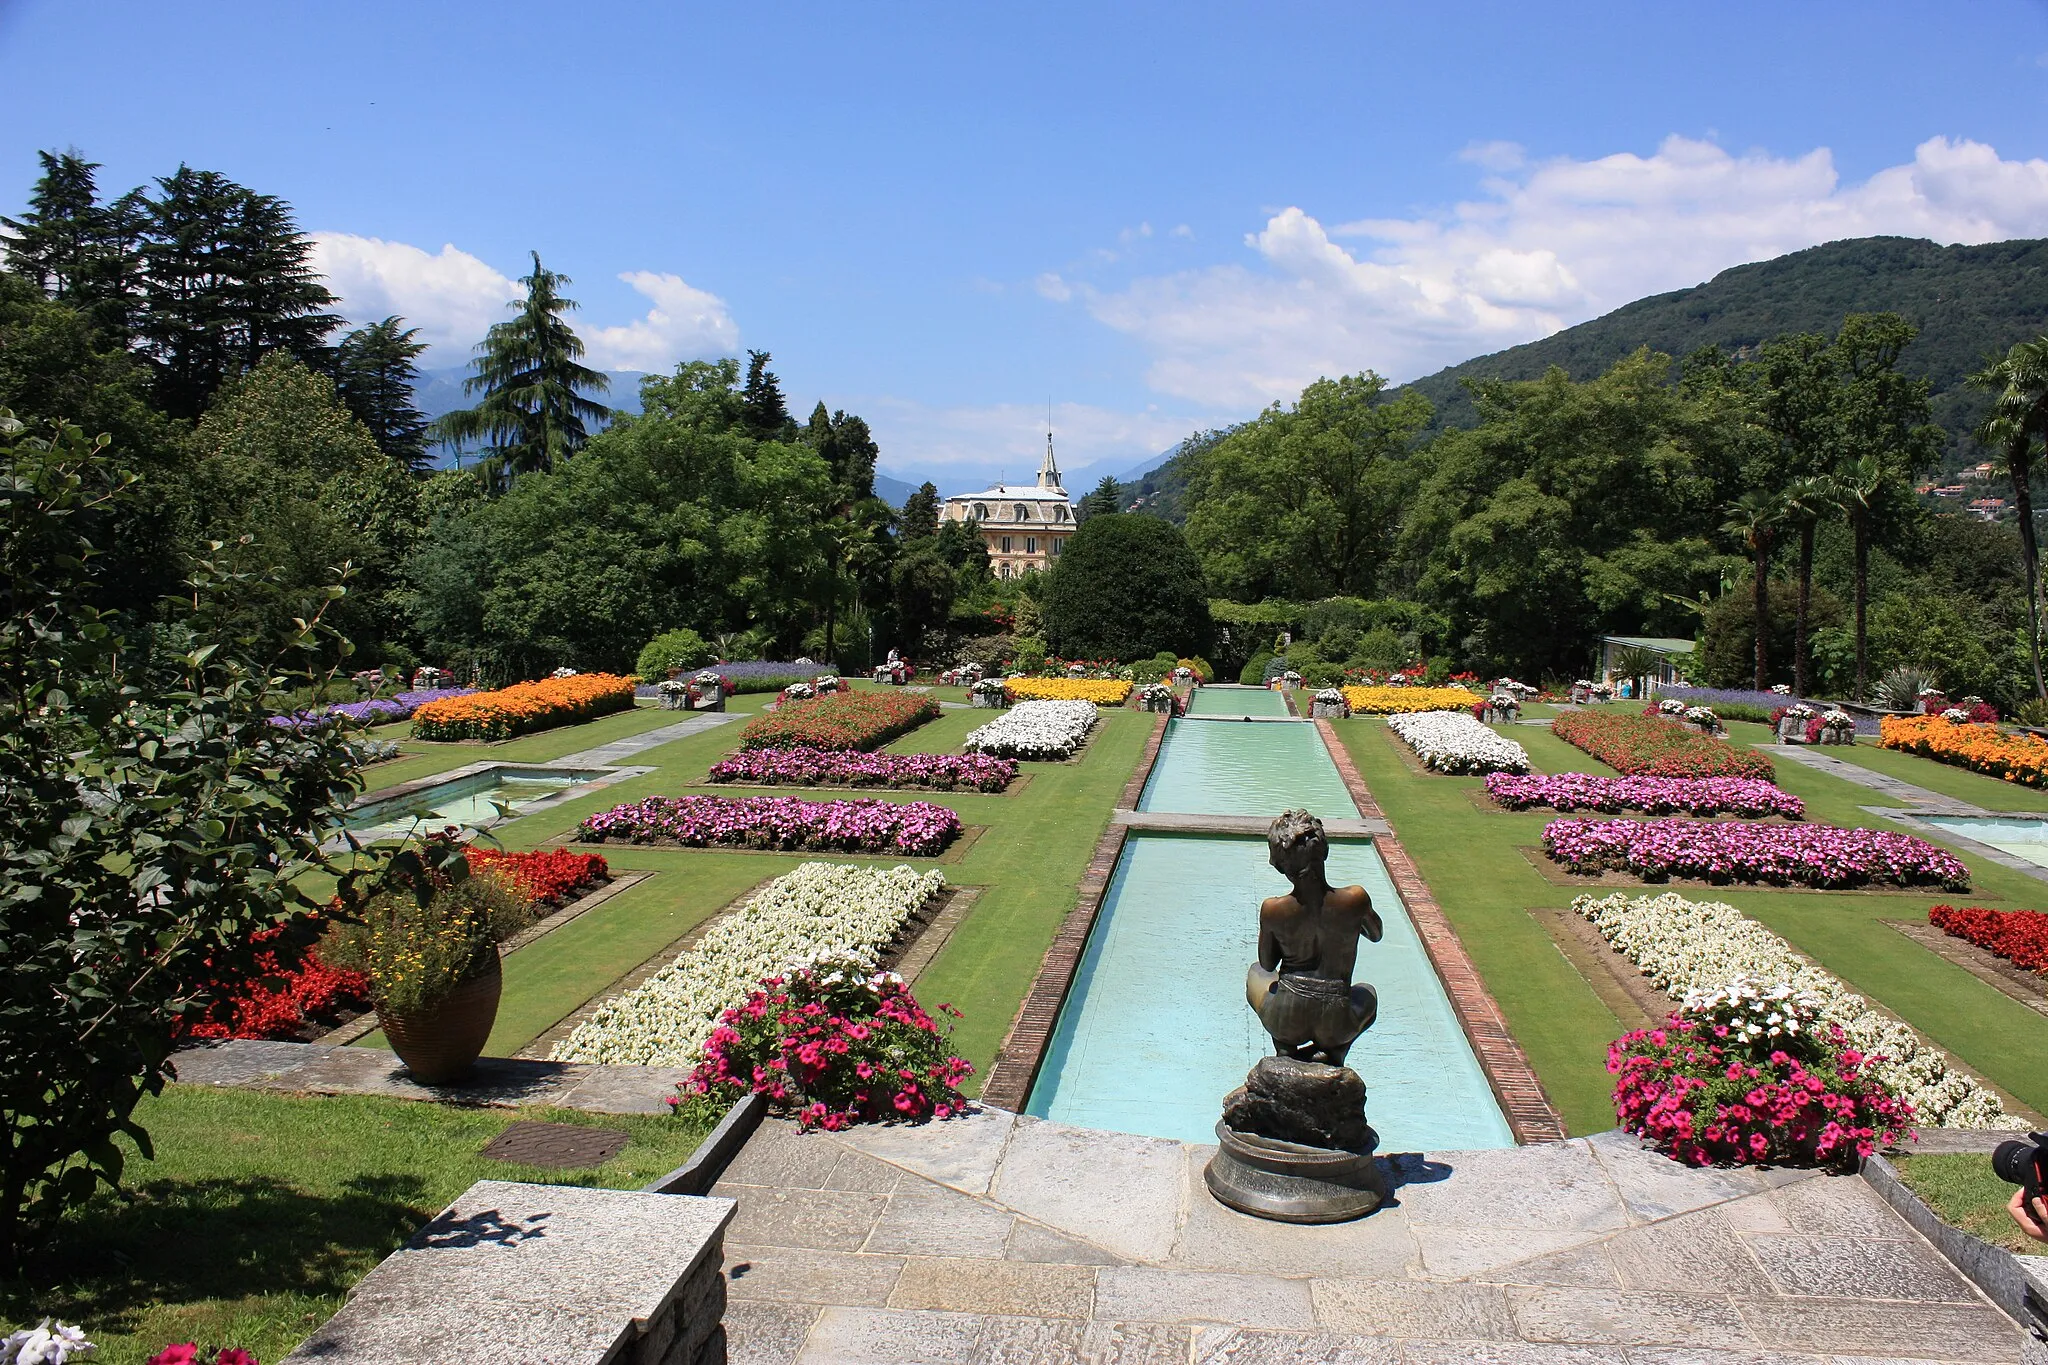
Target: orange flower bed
[
  {"x": 523, "y": 707},
  {"x": 1980, "y": 748}
]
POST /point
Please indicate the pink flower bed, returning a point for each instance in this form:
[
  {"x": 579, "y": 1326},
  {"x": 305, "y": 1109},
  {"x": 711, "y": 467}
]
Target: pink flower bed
[
  {"x": 1739, "y": 851},
  {"x": 850, "y": 768},
  {"x": 918, "y": 829},
  {"x": 1653, "y": 795}
]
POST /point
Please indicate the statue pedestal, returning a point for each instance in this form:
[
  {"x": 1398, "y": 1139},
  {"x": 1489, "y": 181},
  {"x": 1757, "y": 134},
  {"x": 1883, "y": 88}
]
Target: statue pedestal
[{"x": 1294, "y": 1146}]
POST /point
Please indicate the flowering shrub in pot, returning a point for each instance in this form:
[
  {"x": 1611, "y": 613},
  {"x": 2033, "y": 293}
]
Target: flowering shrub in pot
[
  {"x": 1453, "y": 742},
  {"x": 844, "y": 720},
  {"x": 833, "y": 1045},
  {"x": 1748, "y": 1073},
  {"x": 915, "y": 829},
  {"x": 1042, "y": 730},
  {"x": 1686, "y": 946},
  {"x": 1651, "y": 795},
  {"x": 1653, "y": 747},
  {"x": 851, "y": 768},
  {"x": 820, "y": 911},
  {"x": 1781, "y": 855},
  {"x": 2018, "y": 936}
]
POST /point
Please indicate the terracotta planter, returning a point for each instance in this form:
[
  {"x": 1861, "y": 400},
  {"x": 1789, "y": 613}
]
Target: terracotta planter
[{"x": 441, "y": 1043}]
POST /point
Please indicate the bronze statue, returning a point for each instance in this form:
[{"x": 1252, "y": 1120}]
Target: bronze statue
[{"x": 1308, "y": 943}]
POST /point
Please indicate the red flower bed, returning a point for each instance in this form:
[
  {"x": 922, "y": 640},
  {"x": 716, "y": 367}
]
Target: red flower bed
[
  {"x": 289, "y": 989},
  {"x": 555, "y": 876},
  {"x": 1642, "y": 746},
  {"x": 2018, "y": 936},
  {"x": 842, "y": 720}
]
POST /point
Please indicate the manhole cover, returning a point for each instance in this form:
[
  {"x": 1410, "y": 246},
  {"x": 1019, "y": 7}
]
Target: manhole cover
[{"x": 559, "y": 1145}]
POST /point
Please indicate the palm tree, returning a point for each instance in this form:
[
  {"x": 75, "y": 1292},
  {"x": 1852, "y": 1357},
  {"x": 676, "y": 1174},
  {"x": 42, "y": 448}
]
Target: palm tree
[
  {"x": 1805, "y": 502},
  {"x": 1755, "y": 517},
  {"x": 1859, "y": 487},
  {"x": 2019, "y": 413},
  {"x": 533, "y": 415}
]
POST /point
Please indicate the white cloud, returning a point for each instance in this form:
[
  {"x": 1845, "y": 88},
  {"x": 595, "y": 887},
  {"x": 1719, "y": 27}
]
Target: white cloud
[
  {"x": 453, "y": 298},
  {"x": 1545, "y": 245},
  {"x": 963, "y": 449},
  {"x": 685, "y": 324}
]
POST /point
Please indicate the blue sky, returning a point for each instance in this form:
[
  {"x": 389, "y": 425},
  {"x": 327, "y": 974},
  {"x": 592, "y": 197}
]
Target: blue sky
[{"x": 1159, "y": 216}]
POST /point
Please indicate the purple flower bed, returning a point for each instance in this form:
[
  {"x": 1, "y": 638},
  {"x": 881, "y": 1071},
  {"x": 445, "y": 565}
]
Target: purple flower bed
[
  {"x": 1781, "y": 855},
  {"x": 1745, "y": 696},
  {"x": 918, "y": 829},
  {"x": 375, "y": 711},
  {"x": 800, "y": 767},
  {"x": 765, "y": 675},
  {"x": 1652, "y": 795}
]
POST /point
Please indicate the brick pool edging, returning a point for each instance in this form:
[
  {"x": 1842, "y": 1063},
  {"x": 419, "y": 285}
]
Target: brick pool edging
[
  {"x": 1017, "y": 1061},
  {"x": 1529, "y": 1113}
]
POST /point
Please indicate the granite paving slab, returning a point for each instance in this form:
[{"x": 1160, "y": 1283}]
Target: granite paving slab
[{"x": 1013, "y": 1239}]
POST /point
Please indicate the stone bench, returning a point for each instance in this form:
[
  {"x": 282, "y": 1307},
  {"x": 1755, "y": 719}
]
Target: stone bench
[{"x": 512, "y": 1272}]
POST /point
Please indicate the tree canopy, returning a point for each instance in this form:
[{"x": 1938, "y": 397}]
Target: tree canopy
[{"x": 1126, "y": 587}]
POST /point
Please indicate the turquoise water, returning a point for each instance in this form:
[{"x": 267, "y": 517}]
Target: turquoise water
[
  {"x": 2023, "y": 838},
  {"x": 471, "y": 800},
  {"x": 1236, "y": 701},
  {"x": 1212, "y": 767},
  {"x": 1156, "y": 1030}
]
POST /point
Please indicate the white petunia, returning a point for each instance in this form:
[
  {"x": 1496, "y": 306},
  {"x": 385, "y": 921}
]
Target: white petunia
[{"x": 1454, "y": 742}]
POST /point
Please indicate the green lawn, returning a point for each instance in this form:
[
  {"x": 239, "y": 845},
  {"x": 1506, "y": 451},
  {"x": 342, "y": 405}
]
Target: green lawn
[
  {"x": 1965, "y": 1193},
  {"x": 260, "y": 1211},
  {"x": 1946, "y": 778},
  {"x": 1470, "y": 860}
]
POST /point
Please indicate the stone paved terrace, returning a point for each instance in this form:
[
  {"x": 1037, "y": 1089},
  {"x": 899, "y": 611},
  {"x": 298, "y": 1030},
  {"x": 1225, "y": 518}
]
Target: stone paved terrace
[{"x": 1004, "y": 1239}]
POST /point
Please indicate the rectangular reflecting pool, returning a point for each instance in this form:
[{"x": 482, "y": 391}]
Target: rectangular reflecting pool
[
  {"x": 469, "y": 799},
  {"x": 1233, "y": 702},
  {"x": 2018, "y": 836},
  {"x": 1155, "y": 1031},
  {"x": 1215, "y": 767}
]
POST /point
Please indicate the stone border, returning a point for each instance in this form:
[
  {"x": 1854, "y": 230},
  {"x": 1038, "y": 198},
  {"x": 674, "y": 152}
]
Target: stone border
[
  {"x": 715, "y": 1152},
  {"x": 2002, "y": 1276},
  {"x": 1016, "y": 1065},
  {"x": 1528, "y": 1110}
]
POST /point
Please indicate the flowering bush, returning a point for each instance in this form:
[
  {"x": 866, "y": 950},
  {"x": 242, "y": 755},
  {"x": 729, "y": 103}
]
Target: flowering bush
[
  {"x": 835, "y": 1046},
  {"x": 49, "y": 1342},
  {"x": 1101, "y": 691},
  {"x": 1668, "y": 706},
  {"x": 1651, "y": 795},
  {"x": 523, "y": 707},
  {"x": 1649, "y": 747},
  {"x": 1042, "y": 730},
  {"x": 1981, "y": 748},
  {"x": 820, "y": 912},
  {"x": 288, "y": 986},
  {"x": 186, "y": 1353},
  {"x": 799, "y": 691},
  {"x": 1394, "y": 701},
  {"x": 552, "y": 876},
  {"x": 1781, "y": 855},
  {"x": 763, "y": 675},
  {"x": 2018, "y": 936},
  {"x": 843, "y": 720},
  {"x": 1453, "y": 742},
  {"x": 1704, "y": 717},
  {"x": 916, "y": 829},
  {"x": 1686, "y": 947},
  {"x": 1747, "y": 700},
  {"x": 851, "y": 768}
]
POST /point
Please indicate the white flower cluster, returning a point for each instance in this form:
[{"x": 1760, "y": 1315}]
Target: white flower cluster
[
  {"x": 1453, "y": 742},
  {"x": 1703, "y": 716},
  {"x": 1799, "y": 710},
  {"x": 49, "y": 1343},
  {"x": 1837, "y": 719},
  {"x": 820, "y": 912},
  {"x": 1330, "y": 696},
  {"x": 1671, "y": 706},
  {"x": 1782, "y": 689},
  {"x": 1956, "y": 715},
  {"x": 1756, "y": 1012},
  {"x": 1043, "y": 730},
  {"x": 1688, "y": 947}
]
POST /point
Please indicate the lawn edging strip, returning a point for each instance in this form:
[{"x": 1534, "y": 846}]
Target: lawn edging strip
[
  {"x": 1015, "y": 1068},
  {"x": 1528, "y": 1110}
]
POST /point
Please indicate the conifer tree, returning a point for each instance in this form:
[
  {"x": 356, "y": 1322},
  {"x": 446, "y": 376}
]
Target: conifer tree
[
  {"x": 374, "y": 375},
  {"x": 921, "y": 513},
  {"x": 78, "y": 251},
  {"x": 763, "y": 412},
  {"x": 1104, "y": 497},
  {"x": 533, "y": 414}
]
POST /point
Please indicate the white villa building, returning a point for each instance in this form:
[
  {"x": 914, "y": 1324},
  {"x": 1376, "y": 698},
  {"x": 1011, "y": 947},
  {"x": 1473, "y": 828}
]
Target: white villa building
[{"x": 1024, "y": 527}]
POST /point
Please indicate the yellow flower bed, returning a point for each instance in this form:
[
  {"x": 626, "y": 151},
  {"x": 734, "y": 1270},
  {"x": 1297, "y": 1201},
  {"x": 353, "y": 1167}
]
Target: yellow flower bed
[
  {"x": 1101, "y": 691},
  {"x": 2021, "y": 759},
  {"x": 1399, "y": 701}
]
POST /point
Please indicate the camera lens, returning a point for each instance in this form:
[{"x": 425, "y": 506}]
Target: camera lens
[{"x": 2012, "y": 1162}]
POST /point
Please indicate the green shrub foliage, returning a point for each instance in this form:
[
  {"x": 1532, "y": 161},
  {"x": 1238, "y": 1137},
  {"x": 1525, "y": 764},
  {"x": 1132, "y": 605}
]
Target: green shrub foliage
[
  {"x": 1126, "y": 587},
  {"x": 682, "y": 648}
]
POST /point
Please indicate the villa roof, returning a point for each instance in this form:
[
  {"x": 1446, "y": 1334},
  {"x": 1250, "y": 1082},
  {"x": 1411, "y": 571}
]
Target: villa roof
[{"x": 1003, "y": 492}]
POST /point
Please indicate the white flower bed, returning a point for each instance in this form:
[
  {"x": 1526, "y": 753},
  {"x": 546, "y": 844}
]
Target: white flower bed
[
  {"x": 1453, "y": 742},
  {"x": 819, "y": 911},
  {"x": 1043, "y": 730},
  {"x": 1692, "y": 947}
]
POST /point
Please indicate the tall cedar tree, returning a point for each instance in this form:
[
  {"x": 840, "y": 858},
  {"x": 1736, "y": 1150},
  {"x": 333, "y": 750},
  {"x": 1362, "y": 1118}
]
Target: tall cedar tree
[
  {"x": 533, "y": 414},
  {"x": 374, "y": 374},
  {"x": 1105, "y": 497},
  {"x": 78, "y": 251},
  {"x": 921, "y": 513},
  {"x": 763, "y": 412}
]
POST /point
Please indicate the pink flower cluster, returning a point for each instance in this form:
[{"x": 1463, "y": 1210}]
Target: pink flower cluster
[
  {"x": 801, "y": 767},
  {"x": 1690, "y": 1090},
  {"x": 1653, "y": 795},
  {"x": 1739, "y": 851},
  {"x": 917, "y": 829}
]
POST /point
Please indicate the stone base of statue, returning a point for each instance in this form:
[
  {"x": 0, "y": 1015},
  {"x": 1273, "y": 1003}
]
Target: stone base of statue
[
  {"x": 1329, "y": 710},
  {"x": 1294, "y": 1146}
]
